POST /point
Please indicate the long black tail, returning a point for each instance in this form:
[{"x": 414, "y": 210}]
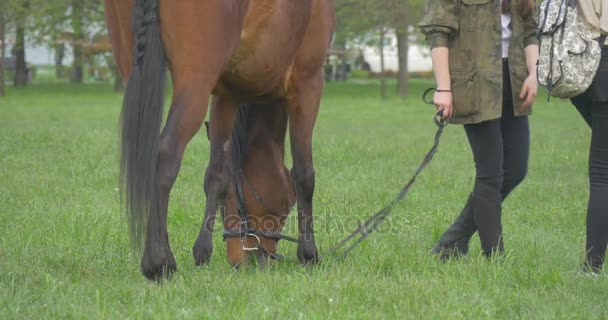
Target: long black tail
[{"x": 141, "y": 118}]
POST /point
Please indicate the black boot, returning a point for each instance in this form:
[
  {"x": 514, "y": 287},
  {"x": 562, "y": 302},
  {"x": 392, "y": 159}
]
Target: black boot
[
  {"x": 594, "y": 261},
  {"x": 486, "y": 207},
  {"x": 455, "y": 240}
]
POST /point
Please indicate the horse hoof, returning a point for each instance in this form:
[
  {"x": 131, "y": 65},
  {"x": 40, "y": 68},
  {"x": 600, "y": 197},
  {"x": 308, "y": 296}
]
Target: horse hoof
[
  {"x": 307, "y": 253},
  {"x": 202, "y": 258},
  {"x": 202, "y": 252},
  {"x": 158, "y": 268}
]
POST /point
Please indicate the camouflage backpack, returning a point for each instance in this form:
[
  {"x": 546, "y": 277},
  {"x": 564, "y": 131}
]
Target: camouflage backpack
[{"x": 569, "y": 54}]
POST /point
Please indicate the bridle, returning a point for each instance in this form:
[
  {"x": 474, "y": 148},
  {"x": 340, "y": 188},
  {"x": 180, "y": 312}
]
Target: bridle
[{"x": 245, "y": 231}]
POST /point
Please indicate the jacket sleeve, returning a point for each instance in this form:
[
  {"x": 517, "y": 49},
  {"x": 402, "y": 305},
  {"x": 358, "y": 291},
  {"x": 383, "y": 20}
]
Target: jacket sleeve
[
  {"x": 440, "y": 22},
  {"x": 530, "y": 30}
]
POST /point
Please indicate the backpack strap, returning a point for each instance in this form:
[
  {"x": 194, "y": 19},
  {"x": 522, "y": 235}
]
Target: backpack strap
[
  {"x": 551, "y": 51},
  {"x": 602, "y": 40}
]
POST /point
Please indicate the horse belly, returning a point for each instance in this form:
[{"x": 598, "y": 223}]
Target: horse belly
[{"x": 272, "y": 33}]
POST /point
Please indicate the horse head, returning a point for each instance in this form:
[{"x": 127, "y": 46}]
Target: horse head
[{"x": 261, "y": 192}]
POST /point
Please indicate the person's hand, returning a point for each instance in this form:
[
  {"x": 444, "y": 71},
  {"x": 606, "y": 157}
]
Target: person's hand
[
  {"x": 443, "y": 102},
  {"x": 528, "y": 93}
]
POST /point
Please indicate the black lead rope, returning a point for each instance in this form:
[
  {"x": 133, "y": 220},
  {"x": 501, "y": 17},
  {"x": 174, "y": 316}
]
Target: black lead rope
[
  {"x": 364, "y": 229},
  {"x": 371, "y": 224}
]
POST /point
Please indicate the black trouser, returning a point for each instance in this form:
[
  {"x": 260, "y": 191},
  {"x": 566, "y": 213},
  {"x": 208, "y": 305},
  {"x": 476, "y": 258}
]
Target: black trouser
[
  {"x": 593, "y": 106},
  {"x": 500, "y": 149}
]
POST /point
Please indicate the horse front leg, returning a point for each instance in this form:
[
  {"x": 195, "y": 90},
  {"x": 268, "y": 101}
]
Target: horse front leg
[
  {"x": 217, "y": 175},
  {"x": 303, "y": 107}
]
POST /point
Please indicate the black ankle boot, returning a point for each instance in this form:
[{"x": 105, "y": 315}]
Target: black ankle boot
[
  {"x": 589, "y": 269},
  {"x": 486, "y": 208},
  {"x": 455, "y": 240},
  {"x": 593, "y": 264}
]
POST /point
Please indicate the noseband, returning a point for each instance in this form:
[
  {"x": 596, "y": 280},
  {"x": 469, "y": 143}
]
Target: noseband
[{"x": 245, "y": 230}]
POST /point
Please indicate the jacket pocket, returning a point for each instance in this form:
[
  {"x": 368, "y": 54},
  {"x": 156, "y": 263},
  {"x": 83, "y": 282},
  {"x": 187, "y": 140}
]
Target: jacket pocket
[
  {"x": 475, "y": 2},
  {"x": 465, "y": 91},
  {"x": 471, "y": 11}
]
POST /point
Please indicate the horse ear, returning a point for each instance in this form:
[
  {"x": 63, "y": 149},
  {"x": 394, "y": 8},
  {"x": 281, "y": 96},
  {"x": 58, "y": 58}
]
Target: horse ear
[{"x": 207, "y": 128}]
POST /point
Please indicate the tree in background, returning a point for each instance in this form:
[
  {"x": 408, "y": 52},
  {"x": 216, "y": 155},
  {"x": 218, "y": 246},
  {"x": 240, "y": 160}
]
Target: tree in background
[
  {"x": 2, "y": 45},
  {"x": 20, "y": 8},
  {"x": 357, "y": 17},
  {"x": 73, "y": 22},
  {"x": 54, "y": 23},
  {"x": 78, "y": 38}
]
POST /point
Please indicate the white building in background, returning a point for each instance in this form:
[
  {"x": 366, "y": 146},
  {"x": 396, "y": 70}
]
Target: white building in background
[
  {"x": 38, "y": 54},
  {"x": 419, "y": 56},
  {"x": 41, "y": 55}
]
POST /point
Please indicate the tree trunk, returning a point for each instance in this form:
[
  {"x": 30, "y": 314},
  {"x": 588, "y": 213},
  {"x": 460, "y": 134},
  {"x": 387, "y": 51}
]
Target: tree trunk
[
  {"x": 382, "y": 77},
  {"x": 78, "y": 38},
  {"x": 2, "y": 37},
  {"x": 119, "y": 86},
  {"x": 402, "y": 51},
  {"x": 19, "y": 52},
  {"x": 59, "y": 55}
]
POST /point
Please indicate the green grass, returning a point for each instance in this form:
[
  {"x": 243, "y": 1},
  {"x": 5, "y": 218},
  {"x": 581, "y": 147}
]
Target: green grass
[{"x": 64, "y": 249}]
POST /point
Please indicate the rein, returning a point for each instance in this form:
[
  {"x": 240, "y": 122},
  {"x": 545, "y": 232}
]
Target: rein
[{"x": 356, "y": 236}]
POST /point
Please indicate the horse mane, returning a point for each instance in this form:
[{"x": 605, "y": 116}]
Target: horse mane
[
  {"x": 264, "y": 115},
  {"x": 238, "y": 140}
]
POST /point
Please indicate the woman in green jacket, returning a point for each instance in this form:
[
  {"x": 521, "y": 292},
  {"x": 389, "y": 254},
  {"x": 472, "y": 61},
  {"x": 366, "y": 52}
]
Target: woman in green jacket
[{"x": 484, "y": 55}]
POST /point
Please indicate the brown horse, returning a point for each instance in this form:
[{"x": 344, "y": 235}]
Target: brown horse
[{"x": 260, "y": 52}]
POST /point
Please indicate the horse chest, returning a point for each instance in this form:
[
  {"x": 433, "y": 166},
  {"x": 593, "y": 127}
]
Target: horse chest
[{"x": 272, "y": 33}]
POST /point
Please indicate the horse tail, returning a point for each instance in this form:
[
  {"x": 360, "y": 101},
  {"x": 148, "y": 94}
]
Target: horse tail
[{"x": 141, "y": 118}]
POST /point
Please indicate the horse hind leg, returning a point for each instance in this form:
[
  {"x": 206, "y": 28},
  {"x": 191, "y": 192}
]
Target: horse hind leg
[
  {"x": 146, "y": 157},
  {"x": 217, "y": 175},
  {"x": 157, "y": 260},
  {"x": 185, "y": 117}
]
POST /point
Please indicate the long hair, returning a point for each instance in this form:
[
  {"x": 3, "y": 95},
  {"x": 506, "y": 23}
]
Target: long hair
[
  {"x": 141, "y": 117},
  {"x": 525, "y": 8}
]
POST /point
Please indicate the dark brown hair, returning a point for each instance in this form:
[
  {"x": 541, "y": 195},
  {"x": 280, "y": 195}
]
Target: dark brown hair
[{"x": 525, "y": 8}]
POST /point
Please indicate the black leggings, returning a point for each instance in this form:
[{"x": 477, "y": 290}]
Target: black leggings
[
  {"x": 500, "y": 149},
  {"x": 593, "y": 106}
]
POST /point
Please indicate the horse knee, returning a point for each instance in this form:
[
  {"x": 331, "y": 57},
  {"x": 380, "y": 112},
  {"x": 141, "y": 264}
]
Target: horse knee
[
  {"x": 216, "y": 178},
  {"x": 304, "y": 179}
]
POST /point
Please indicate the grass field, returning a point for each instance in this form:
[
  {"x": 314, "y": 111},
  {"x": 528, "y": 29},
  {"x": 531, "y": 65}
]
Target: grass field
[{"x": 64, "y": 249}]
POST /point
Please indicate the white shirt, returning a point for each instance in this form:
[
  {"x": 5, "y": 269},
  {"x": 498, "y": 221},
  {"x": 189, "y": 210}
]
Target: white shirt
[{"x": 505, "y": 19}]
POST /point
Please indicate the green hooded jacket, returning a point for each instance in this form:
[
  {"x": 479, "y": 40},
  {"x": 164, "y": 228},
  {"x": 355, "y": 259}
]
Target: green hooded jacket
[{"x": 472, "y": 31}]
